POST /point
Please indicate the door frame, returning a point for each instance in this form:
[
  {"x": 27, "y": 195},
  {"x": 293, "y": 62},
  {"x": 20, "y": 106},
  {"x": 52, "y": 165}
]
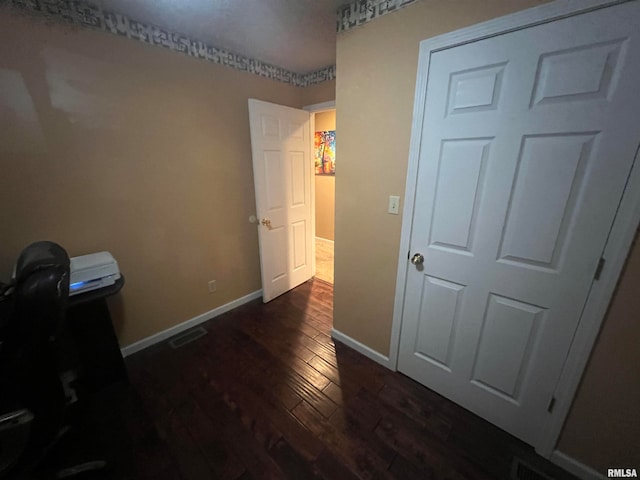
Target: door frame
[
  {"x": 313, "y": 109},
  {"x": 618, "y": 243}
]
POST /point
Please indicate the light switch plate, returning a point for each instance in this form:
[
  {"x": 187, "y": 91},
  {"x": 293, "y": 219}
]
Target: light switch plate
[{"x": 394, "y": 204}]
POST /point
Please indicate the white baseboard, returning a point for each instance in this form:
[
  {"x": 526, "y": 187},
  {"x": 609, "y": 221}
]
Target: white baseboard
[
  {"x": 575, "y": 467},
  {"x": 361, "y": 348},
  {"x": 181, "y": 327}
]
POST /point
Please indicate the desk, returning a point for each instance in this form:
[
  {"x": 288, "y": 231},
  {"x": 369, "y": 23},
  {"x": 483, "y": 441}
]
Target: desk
[{"x": 99, "y": 355}]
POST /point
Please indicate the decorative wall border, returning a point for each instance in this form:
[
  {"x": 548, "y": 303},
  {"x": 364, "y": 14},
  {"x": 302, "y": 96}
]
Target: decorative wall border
[
  {"x": 83, "y": 13},
  {"x": 363, "y": 11}
]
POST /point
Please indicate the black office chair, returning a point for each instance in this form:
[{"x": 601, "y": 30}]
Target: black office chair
[{"x": 32, "y": 398}]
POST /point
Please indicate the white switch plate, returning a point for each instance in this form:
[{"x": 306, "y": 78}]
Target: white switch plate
[{"x": 394, "y": 204}]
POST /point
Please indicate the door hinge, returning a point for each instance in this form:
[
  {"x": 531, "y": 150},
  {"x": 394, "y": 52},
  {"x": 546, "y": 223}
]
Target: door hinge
[
  {"x": 596, "y": 276},
  {"x": 552, "y": 404}
]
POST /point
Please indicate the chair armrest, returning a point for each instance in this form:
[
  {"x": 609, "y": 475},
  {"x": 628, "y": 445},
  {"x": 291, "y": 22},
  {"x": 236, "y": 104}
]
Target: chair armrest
[{"x": 14, "y": 434}]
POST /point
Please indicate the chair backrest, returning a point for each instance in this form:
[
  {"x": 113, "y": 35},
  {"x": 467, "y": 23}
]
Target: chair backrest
[
  {"x": 29, "y": 374},
  {"x": 41, "y": 292}
]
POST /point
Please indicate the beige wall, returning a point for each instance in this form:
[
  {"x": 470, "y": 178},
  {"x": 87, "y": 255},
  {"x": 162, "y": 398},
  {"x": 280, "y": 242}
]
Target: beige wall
[
  {"x": 320, "y": 93},
  {"x": 325, "y": 206},
  {"x": 110, "y": 144},
  {"x": 325, "y": 121},
  {"x": 374, "y": 93},
  {"x": 325, "y": 185},
  {"x": 376, "y": 68},
  {"x": 603, "y": 427}
]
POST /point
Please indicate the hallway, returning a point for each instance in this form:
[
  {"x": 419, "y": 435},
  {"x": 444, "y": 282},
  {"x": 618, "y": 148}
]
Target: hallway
[{"x": 324, "y": 260}]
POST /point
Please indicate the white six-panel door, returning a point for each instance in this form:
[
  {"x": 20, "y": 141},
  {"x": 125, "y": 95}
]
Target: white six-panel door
[
  {"x": 282, "y": 172},
  {"x": 527, "y": 141}
]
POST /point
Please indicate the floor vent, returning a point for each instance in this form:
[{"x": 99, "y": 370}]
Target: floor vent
[
  {"x": 187, "y": 337},
  {"x": 523, "y": 471}
]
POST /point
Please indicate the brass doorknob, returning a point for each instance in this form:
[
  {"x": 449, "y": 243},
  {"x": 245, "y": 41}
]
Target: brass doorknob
[
  {"x": 266, "y": 222},
  {"x": 417, "y": 259}
]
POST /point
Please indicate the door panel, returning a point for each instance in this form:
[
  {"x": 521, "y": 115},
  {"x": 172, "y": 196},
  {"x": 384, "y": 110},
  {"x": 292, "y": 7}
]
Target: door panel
[
  {"x": 439, "y": 310},
  {"x": 578, "y": 74},
  {"x": 282, "y": 176},
  {"x": 299, "y": 233},
  {"x": 527, "y": 141},
  {"x": 501, "y": 366},
  {"x": 299, "y": 175},
  {"x": 538, "y": 219},
  {"x": 475, "y": 90},
  {"x": 458, "y": 190},
  {"x": 274, "y": 179}
]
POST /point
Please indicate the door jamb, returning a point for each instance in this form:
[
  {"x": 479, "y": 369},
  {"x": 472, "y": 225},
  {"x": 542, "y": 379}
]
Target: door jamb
[
  {"x": 313, "y": 109},
  {"x": 618, "y": 244},
  {"x": 320, "y": 107}
]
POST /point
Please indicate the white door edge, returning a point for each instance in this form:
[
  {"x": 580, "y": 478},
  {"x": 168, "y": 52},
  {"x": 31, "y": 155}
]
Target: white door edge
[{"x": 620, "y": 239}]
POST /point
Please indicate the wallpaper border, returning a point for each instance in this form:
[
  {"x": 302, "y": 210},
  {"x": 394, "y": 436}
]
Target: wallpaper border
[
  {"x": 83, "y": 13},
  {"x": 360, "y": 12}
]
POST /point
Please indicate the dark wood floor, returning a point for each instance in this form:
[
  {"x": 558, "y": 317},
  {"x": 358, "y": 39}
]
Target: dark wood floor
[{"x": 268, "y": 394}]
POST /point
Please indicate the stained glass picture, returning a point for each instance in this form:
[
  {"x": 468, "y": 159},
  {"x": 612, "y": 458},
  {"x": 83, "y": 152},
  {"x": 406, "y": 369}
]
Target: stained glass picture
[{"x": 325, "y": 152}]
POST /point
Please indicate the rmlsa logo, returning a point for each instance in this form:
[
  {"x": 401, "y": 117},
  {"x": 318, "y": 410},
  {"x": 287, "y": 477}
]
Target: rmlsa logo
[{"x": 622, "y": 473}]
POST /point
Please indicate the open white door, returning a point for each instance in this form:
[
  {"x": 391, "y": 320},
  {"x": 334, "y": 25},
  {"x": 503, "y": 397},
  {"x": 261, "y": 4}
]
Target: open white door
[
  {"x": 280, "y": 142},
  {"x": 526, "y": 145}
]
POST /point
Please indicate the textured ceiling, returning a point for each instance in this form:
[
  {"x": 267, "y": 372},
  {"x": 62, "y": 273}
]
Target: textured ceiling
[{"x": 299, "y": 35}]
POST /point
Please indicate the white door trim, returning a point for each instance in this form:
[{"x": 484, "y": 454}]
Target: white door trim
[
  {"x": 312, "y": 172},
  {"x": 313, "y": 109},
  {"x": 620, "y": 238},
  {"x": 320, "y": 107}
]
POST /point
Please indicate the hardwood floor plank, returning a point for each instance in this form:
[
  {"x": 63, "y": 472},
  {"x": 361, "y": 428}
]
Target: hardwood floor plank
[
  {"x": 318, "y": 312},
  {"x": 355, "y": 455},
  {"x": 286, "y": 395},
  {"x": 323, "y": 339},
  {"x": 248, "y": 440},
  {"x": 253, "y": 401},
  {"x": 302, "y": 379},
  {"x": 332, "y": 468},
  {"x": 326, "y": 369},
  {"x": 292, "y": 464},
  {"x": 153, "y": 457},
  {"x": 191, "y": 463},
  {"x": 424, "y": 445},
  {"x": 402, "y": 468},
  {"x": 326, "y": 352},
  {"x": 222, "y": 462},
  {"x": 346, "y": 424},
  {"x": 267, "y": 393},
  {"x": 286, "y": 343},
  {"x": 294, "y": 321},
  {"x": 365, "y": 415},
  {"x": 418, "y": 414}
]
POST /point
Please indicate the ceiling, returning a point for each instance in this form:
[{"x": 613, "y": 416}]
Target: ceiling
[{"x": 299, "y": 35}]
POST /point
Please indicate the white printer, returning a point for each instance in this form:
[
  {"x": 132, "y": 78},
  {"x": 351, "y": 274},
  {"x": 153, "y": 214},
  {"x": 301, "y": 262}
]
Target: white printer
[{"x": 93, "y": 271}]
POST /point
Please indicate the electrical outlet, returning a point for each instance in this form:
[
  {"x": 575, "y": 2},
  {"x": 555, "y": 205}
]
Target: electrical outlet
[
  {"x": 394, "y": 204},
  {"x": 212, "y": 286}
]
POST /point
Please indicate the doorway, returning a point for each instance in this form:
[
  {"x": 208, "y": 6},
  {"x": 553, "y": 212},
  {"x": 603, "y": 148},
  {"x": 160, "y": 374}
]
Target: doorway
[
  {"x": 324, "y": 123},
  {"x": 285, "y": 172}
]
